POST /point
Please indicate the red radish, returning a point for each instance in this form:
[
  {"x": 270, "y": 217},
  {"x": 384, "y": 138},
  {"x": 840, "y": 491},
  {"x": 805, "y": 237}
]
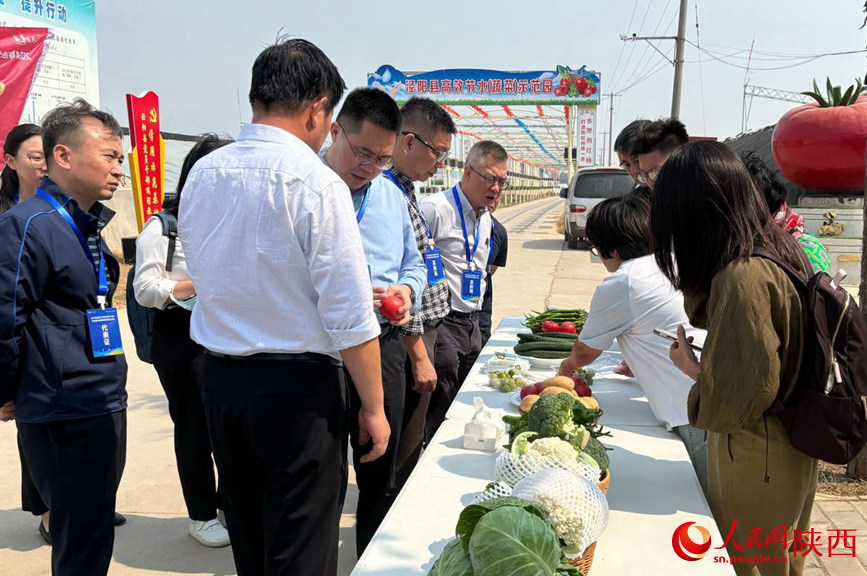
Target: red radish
[
  {"x": 531, "y": 389},
  {"x": 390, "y": 308},
  {"x": 568, "y": 328},
  {"x": 583, "y": 390},
  {"x": 578, "y": 380},
  {"x": 549, "y": 326}
]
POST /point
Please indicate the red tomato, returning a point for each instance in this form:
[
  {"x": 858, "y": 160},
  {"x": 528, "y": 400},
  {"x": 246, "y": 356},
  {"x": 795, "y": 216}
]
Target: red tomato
[
  {"x": 581, "y": 84},
  {"x": 550, "y": 326},
  {"x": 390, "y": 308},
  {"x": 567, "y": 327},
  {"x": 823, "y": 148}
]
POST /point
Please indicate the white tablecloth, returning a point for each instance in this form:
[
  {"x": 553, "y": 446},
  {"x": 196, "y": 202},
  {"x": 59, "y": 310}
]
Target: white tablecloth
[{"x": 653, "y": 487}]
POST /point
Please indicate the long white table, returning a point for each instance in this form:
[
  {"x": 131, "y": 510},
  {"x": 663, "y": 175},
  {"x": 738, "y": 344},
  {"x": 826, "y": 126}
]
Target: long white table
[{"x": 653, "y": 487}]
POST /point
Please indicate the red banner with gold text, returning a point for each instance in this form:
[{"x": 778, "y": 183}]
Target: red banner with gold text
[{"x": 146, "y": 157}]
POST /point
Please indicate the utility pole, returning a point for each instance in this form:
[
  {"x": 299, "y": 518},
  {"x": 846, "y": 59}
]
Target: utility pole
[
  {"x": 610, "y": 127},
  {"x": 678, "y": 61},
  {"x": 679, "y": 41}
]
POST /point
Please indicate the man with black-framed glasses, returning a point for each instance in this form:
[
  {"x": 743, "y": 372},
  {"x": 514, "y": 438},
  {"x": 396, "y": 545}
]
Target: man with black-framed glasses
[
  {"x": 461, "y": 228},
  {"x": 420, "y": 151},
  {"x": 362, "y": 140},
  {"x": 654, "y": 144}
]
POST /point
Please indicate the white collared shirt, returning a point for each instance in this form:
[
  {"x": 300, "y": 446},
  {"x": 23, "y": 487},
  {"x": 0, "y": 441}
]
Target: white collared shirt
[
  {"x": 153, "y": 284},
  {"x": 444, "y": 222},
  {"x": 273, "y": 250}
]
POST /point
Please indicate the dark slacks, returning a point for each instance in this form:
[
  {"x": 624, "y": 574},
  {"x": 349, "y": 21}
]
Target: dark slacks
[
  {"x": 414, "y": 416},
  {"x": 31, "y": 501},
  {"x": 458, "y": 345},
  {"x": 76, "y": 466},
  {"x": 376, "y": 480},
  {"x": 278, "y": 429},
  {"x": 178, "y": 362}
]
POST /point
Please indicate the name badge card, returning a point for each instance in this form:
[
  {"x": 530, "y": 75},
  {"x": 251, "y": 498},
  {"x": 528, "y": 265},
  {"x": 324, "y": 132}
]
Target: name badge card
[
  {"x": 104, "y": 332},
  {"x": 471, "y": 285},
  {"x": 434, "y": 262}
]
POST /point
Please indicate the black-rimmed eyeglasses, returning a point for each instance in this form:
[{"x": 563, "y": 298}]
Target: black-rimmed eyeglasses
[
  {"x": 440, "y": 156},
  {"x": 491, "y": 180},
  {"x": 381, "y": 163}
]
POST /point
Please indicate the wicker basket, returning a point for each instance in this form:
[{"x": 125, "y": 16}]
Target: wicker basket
[
  {"x": 603, "y": 484},
  {"x": 584, "y": 561}
]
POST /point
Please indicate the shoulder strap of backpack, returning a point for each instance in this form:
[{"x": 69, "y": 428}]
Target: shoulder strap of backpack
[
  {"x": 170, "y": 229},
  {"x": 795, "y": 276}
]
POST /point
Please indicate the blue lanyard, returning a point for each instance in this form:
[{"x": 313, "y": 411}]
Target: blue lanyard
[
  {"x": 460, "y": 210},
  {"x": 397, "y": 183},
  {"x": 491, "y": 247},
  {"x": 15, "y": 197},
  {"x": 98, "y": 270},
  {"x": 360, "y": 214}
]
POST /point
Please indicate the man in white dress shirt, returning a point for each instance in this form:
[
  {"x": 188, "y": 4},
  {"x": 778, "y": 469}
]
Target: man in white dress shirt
[
  {"x": 461, "y": 228},
  {"x": 284, "y": 300}
]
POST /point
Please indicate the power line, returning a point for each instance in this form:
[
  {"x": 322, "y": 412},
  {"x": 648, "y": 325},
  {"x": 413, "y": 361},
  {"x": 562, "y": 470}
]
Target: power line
[
  {"x": 640, "y": 28},
  {"x": 642, "y": 66},
  {"x": 623, "y": 46},
  {"x": 722, "y": 59}
]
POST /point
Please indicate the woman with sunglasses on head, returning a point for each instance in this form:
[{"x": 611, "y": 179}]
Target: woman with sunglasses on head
[
  {"x": 707, "y": 218},
  {"x": 22, "y": 173}
]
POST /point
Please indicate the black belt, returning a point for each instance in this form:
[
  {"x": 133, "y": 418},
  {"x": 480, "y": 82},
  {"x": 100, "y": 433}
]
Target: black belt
[
  {"x": 464, "y": 315},
  {"x": 280, "y": 357}
]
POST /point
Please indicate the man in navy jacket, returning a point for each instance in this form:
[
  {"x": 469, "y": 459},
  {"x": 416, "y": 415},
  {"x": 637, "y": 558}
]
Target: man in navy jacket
[{"x": 70, "y": 400}]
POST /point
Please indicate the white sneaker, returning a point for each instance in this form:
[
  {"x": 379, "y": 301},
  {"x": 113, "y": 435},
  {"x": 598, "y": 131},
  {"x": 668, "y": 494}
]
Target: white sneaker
[{"x": 209, "y": 533}]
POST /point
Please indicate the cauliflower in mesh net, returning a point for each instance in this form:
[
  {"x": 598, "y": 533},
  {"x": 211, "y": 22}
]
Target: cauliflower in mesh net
[
  {"x": 576, "y": 508},
  {"x": 553, "y": 448}
]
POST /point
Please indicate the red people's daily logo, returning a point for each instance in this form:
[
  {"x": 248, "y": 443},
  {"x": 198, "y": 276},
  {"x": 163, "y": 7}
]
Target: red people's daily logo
[{"x": 686, "y": 547}]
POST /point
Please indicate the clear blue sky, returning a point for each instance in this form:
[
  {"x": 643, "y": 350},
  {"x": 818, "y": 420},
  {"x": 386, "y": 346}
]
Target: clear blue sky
[{"x": 197, "y": 55}]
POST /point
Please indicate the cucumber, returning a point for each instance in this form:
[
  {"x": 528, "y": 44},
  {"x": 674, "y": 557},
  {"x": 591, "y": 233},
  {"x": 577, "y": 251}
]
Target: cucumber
[
  {"x": 547, "y": 354},
  {"x": 558, "y": 345},
  {"x": 560, "y": 335}
]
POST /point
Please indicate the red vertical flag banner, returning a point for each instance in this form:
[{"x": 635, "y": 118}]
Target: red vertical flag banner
[
  {"x": 20, "y": 52},
  {"x": 146, "y": 156}
]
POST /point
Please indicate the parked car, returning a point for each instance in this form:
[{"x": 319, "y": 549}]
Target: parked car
[{"x": 589, "y": 187}]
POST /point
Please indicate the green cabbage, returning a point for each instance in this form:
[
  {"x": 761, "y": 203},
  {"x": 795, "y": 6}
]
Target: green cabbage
[
  {"x": 512, "y": 541},
  {"x": 454, "y": 561},
  {"x": 471, "y": 515}
]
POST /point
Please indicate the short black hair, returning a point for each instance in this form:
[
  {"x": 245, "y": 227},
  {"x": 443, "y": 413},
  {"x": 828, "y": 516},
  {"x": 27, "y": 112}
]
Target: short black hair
[
  {"x": 206, "y": 144},
  {"x": 372, "y": 105},
  {"x": 293, "y": 73},
  {"x": 61, "y": 125},
  {"x": 621, "y": 223},
  {"x": 419, "y": 114},
  {"x": 766, "y": 181},
  {"x": 626, "y": 139},
  {"x": 661, "y": 136}
]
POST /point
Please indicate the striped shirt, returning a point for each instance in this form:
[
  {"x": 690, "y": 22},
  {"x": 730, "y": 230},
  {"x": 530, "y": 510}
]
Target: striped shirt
[{"x": 435, "y": 299}]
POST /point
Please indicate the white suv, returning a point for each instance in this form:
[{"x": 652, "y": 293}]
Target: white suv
[{"x": 589, "y": 187}]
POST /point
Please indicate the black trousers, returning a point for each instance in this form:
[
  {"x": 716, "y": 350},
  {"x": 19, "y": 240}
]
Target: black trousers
[
  {"x": 376, "y": 480},
  {"x": 279, "y": 432},
  {"x": 178, "y": 362},
  {"x": 76, "y": 466},
  {"x": 458, "y": 345},
  {"x": 31, "y": 501},
  {"x": 414, "y": 416}
]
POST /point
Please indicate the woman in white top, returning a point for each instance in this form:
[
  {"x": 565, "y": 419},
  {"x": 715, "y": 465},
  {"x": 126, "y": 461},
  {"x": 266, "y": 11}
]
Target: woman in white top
[{"x": 178, "y": 360}]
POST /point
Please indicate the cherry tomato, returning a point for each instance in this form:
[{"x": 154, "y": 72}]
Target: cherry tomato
[{"x": 568, "y": 328}]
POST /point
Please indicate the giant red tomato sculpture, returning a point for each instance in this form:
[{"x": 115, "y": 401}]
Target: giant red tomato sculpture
[{"x": 822, "y": 147}]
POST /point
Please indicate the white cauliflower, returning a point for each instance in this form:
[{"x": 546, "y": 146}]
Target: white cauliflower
[
  {"x": 554, "y": 448},
  {"x": 576, "y": 508}
]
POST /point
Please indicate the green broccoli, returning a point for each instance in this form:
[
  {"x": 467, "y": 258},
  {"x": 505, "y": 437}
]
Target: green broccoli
[
  {"x": 598, "y": 452},
  {"x": 551, "y": 415}
]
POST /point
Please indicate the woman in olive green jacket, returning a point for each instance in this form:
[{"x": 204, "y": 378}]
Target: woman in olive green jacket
[{"x": 706, "y": 219}]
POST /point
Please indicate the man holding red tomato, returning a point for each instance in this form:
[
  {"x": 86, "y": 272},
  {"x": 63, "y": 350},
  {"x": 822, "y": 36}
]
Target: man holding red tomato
[
  {"x": 362, "y": 141},
  {"x": 461, "y": 227}
]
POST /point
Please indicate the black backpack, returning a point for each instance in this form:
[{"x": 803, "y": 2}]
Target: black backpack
[
  {"x": 825, "y": 411},
  {"x": 141, "y": 318}
]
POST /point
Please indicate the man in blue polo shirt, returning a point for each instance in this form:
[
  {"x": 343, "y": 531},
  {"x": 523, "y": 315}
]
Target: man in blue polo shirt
[
  {"x": 60, "y": 356},
  {"x": 362, "y": 140}
]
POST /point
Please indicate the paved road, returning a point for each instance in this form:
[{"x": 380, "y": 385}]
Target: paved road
[{"x": 539, "y": 273}]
